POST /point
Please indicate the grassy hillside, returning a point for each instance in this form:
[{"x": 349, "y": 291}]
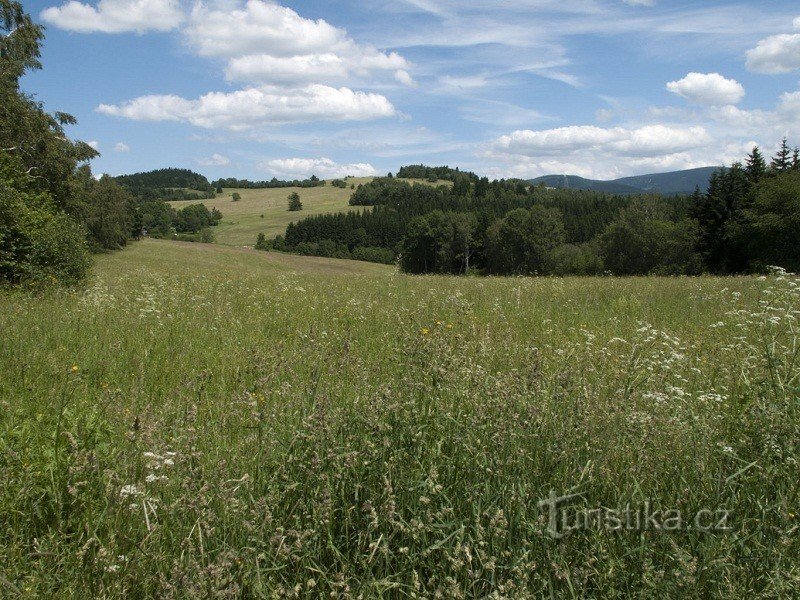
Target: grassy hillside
[
  {"x": 265, "y": 210},
  {"x": 204, "y": 421}
]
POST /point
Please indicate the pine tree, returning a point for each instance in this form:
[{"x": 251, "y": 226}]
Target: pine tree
[
  {"x": 782, "y": 161},
  {"x": 796, "y": 160},
  {"x": 755, "y": 166}
]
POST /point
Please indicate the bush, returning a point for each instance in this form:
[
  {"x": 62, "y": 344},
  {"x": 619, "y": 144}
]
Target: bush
[
  {"x": 373, "y": 254},
  {"x": 36, "y": 245},
  {"x": 236, "y": 196},
  {"x": 294, "y": 202}
]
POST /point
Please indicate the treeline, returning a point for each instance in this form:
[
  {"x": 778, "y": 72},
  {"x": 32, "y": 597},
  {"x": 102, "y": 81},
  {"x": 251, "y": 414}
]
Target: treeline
[
  {"x": 232, "y": 182},
  {"x": 167, "y": 184},
  {"x": 746, "y": 220},
  {"x": 434, "y": 174},
  {"x": 53, "y": 212}
]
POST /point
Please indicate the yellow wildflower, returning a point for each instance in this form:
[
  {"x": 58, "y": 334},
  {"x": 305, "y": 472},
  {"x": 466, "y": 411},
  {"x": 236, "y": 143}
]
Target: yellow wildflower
[
  {"x": 74, "y": 368},
  {"x": 425, "y": 331}
]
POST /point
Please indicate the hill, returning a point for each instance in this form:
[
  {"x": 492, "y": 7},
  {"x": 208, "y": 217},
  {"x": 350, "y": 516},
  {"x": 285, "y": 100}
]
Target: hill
[{"x": 675, "y": 182}]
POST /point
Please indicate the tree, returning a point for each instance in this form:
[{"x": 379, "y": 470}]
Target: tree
[
  {"x": 796, "y": 160},
  {"x": 438, "y": 242},
  {"x": 645, "y": 239},
  {"x": 771, "y": 224},
  {"x": 782, "y": 161},
  {"x": 236, "y": 196},
  {"x": 294, "y": 202},
  {"x": 717, "y": 214},
  {"x": 523, "y": 241},
  {"x": 40, "y": 238},
  {"x": 108, "y": 216},
  {"x": 755, "y": 165}
]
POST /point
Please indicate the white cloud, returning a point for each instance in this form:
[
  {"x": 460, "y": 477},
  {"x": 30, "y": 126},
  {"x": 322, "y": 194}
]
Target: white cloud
[
  {"x": 250, "y": 107},
  {"x": 324, "y": 168},
  {"x": 776, "y": 54},
  {"x": 268, "y": 43},
  {"x": 116, "y": 16},
  {"x": 640, "y": 2},
  {"x": 600, "y": 152},
  {"x": 708, "y": 88},
  {"x": 651, "y": 140},
  {"x": 215, "y": 160},
  {"x": 121, "y": 147},
  {"x": 94, "y": 144},
  {"x": 402, "y": 76}
]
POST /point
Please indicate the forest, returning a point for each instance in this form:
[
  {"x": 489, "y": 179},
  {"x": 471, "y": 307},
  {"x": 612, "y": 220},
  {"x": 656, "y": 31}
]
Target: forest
[{"x": 744, "y": 222}]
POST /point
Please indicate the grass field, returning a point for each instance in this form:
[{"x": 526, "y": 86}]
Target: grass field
[
  {"x": 265, "y": 211},
  {"x": 211, "y": 422}
]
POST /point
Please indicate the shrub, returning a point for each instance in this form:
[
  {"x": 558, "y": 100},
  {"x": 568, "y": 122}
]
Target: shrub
[
  {"x": 236, "y": 196},
  {"x": 294, "y": 202}
]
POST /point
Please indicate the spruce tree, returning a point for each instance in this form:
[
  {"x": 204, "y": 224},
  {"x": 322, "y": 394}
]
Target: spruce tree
[
  {"x": 782, "y": 161},
  {"x": 755, "y": 166},
  {"x": 796, "y": 160}
]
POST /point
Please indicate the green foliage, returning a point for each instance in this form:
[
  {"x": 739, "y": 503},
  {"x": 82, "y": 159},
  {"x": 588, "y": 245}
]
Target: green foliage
[
  {"x": 236, "y": 196},
  {"x": 106, "y": 209},
  {"x": 770, "y": 227},
  {"x": 294, "y": 202},
  {"x": 49, "y": 205},
  {"x": 438, "y": 243},
  {"x": 37, "y": 245},
  {"x": 262, "y": 243},
  {"x": 246, "y": 184},
  {"x": 645, "y": 240},
  {"x": 339, "y": 183},
  {"x": 524, "y": 240},
  {"x": 167, "y": 184},
  {"x": 195, "y": 218},
  {"x": 434, "y": 174}
]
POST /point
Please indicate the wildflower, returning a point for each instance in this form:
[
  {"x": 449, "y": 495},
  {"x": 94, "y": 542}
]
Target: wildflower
[
  {"x": 449, "y": 325},
  {"x": 129, "y": 490},
  {"x": 74, "y": 369},
  {"x": 425, "y": 331}
]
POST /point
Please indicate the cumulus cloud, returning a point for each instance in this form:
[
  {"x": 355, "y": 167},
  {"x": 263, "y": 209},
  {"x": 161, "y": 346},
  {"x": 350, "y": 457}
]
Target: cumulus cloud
[
  {"x": 776, "y": 54},
  {"x": 266, "y": 105},
  {"x": 94, "y": 144},
  {"x": 708, "y": 88},
  {"x": 215, "y": 160},
  {"x": 116, "y": 16},
  {"x": 651, "y": 140},
  {"x": 324, "y": 168},
  {"x": 591, "y": 151},
  {"x": 121, "y": 147},
  {"x": 268, "y": 43}
]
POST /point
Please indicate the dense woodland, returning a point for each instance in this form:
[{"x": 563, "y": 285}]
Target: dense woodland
[
  {"x": 746, "y": 221},
  {"x": 167, "y": 184}
]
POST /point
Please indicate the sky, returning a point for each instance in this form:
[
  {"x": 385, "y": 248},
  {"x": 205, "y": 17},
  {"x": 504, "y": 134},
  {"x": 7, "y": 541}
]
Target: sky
[{"x": 512, "y": 88}]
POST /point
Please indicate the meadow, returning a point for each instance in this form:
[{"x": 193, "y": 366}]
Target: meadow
[
  {"x": 202, "y": 421},
  {"x": 265, "y": 210}
]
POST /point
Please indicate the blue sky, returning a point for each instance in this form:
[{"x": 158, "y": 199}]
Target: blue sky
[{"x": 598, "y": 88}]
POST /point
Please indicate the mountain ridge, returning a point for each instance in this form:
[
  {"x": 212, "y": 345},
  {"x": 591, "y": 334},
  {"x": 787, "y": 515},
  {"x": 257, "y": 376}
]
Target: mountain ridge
[{"x": 670, "y": 183}]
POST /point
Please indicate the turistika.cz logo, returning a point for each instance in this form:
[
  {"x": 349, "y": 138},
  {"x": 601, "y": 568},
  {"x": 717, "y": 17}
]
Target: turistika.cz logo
[{"x": 565, "y": 516}]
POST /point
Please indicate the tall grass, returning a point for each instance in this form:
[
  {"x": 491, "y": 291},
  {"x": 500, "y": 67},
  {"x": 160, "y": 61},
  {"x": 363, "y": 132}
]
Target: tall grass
[{"x": 243, "y": 429}]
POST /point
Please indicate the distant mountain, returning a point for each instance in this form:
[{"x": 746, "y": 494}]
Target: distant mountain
[{"x": 676, "y": 182}]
